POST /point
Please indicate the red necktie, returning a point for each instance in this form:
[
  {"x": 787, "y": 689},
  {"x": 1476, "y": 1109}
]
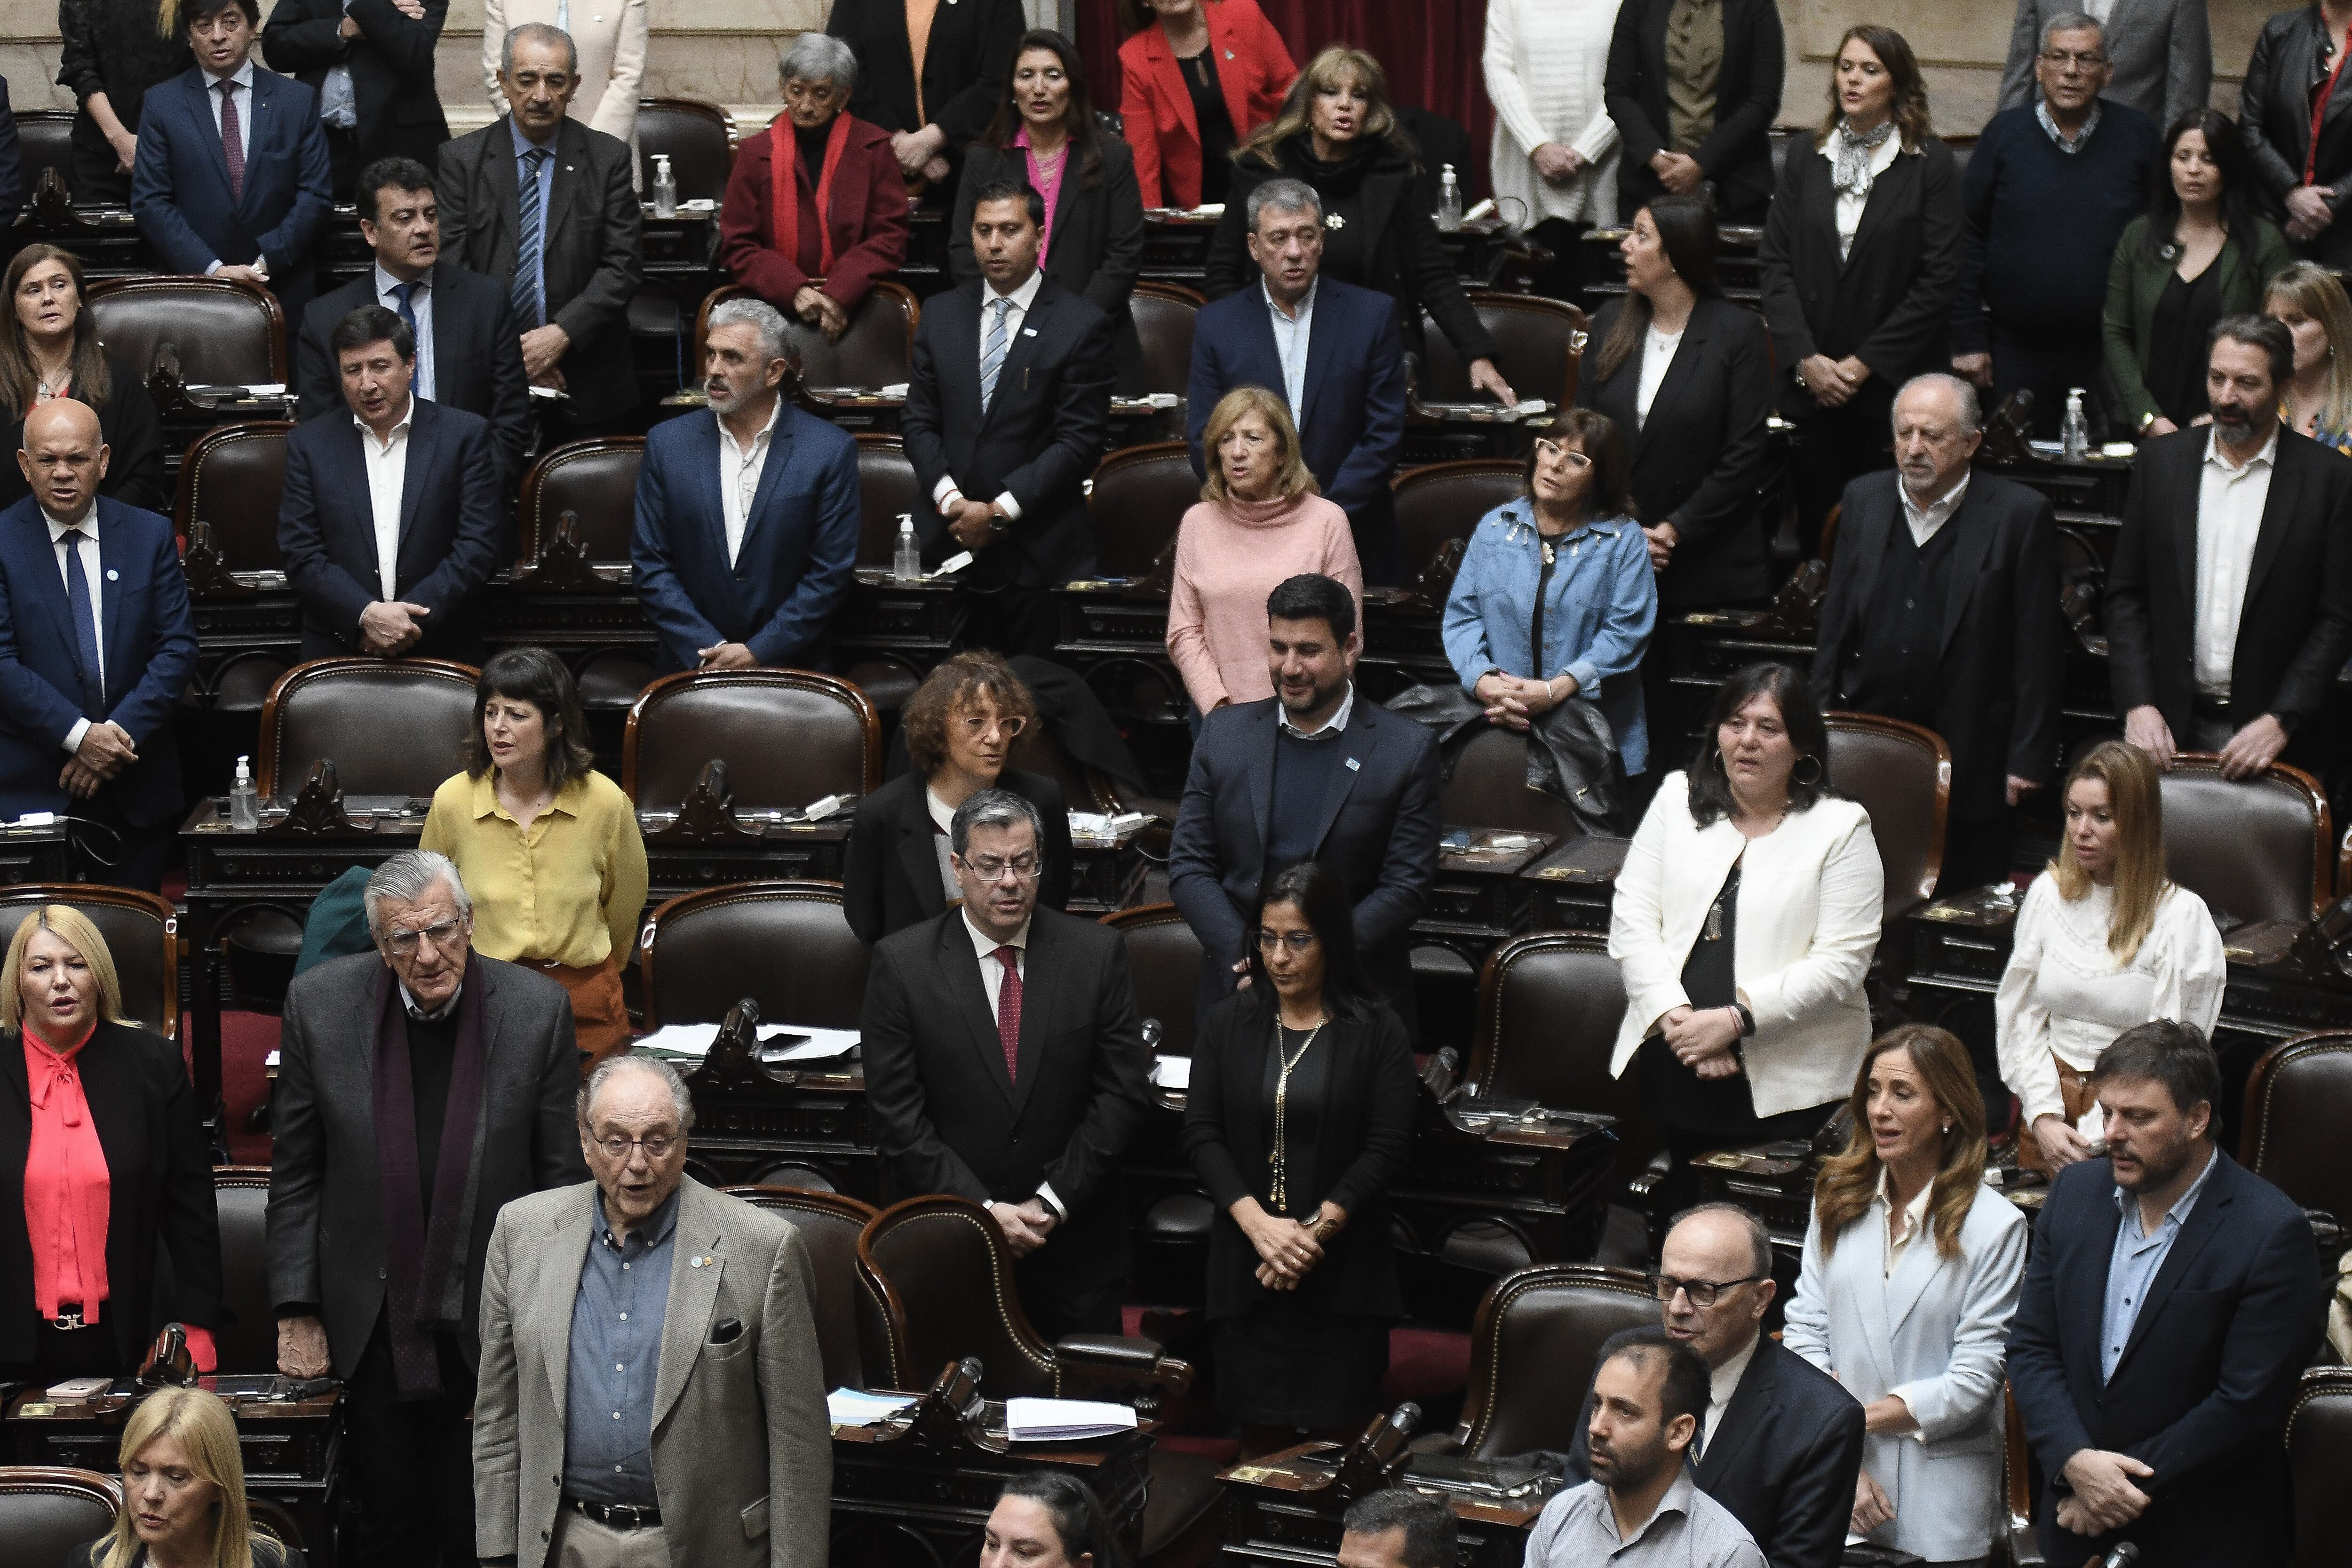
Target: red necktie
[
  {"x": 1008, "y": 1008},
  {"x": 232, "y": 142}
]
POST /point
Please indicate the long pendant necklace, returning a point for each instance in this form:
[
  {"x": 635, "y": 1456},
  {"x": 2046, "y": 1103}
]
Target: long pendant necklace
[{"x": 1281, "y": 1194}]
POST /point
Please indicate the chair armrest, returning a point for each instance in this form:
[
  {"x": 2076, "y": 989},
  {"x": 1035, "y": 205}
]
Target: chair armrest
[{"x": 1111, "y": 1358}]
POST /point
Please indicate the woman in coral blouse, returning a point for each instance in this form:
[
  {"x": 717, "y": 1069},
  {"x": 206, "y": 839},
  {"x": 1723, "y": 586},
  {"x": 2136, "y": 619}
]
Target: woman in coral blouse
[{"x": 1201, "y": 75}]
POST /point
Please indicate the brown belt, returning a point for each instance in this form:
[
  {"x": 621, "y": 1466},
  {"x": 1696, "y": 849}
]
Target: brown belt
[{"x": 2075, "y": 1094}]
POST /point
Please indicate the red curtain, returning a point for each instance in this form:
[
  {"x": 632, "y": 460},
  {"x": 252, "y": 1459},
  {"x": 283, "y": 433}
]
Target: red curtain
[{"x": 1429, "y": 48}]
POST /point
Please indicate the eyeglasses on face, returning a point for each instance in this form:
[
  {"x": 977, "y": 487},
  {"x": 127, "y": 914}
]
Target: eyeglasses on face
[
  {"x": 975, "y": 726},
  {"x": 443, "y": 935},
  {"x": 656, "y": 1147},
  {"x": 1298, "y": 942},
  {"x": 990, "y": 868},
  {"x": 1702, "y": 1292},
  {"x": 2084, "y": 59},
  {"x": 1551, "y": 451}
]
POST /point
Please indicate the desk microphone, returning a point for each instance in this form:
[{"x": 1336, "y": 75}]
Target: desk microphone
[{"x": 2123, "y": 1556}]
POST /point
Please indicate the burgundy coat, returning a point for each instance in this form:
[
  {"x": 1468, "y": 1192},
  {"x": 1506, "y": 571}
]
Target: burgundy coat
[{"x": 868, "y": 218}]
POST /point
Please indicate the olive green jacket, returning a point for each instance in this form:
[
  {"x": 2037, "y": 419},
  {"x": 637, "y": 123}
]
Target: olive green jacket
[{"x": 2135, "y": 283}]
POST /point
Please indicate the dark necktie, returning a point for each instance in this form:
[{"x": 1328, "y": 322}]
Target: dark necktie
[
  {"x": 1008, "y": 1009},
  {"x": 85, "y": 624},
  {"x": 232, "y": 142},
  {"x": 406, "y": 294},
  {"x": 530, "y": 229}
]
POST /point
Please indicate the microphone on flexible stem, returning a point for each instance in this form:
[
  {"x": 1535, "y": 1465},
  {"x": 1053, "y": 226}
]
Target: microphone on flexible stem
[{"x": 2123, "y": 1556}]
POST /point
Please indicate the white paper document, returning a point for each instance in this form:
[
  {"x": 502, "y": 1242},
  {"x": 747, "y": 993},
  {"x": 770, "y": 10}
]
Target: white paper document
[
  {"x": 696, "y": 1040},
  {"x": 855, "y": 1407},
  {"x": 1172, "y": 1072},
  {"x": 1046, "y": 1420}
]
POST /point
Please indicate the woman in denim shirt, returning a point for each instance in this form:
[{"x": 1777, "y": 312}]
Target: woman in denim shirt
[{"x": 1565, "y": 566}]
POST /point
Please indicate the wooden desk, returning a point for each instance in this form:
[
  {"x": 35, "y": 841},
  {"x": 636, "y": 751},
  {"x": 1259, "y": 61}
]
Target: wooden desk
[
  {"x": 1478, "y": 899},
  {"x": 1283, "y": 1510},
  {"x": 1575, "y": 886}
]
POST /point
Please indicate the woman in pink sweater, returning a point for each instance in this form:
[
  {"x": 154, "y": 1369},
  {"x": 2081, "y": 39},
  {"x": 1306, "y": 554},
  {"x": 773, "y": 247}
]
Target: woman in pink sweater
[{"x": 1259, "y": 523}]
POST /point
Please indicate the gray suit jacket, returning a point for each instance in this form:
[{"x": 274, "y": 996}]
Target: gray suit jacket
[
  {"x": 2162, "y": 51},
  {"x": 326, "y": 1210},
  {"x": 743, "y": 1447}
]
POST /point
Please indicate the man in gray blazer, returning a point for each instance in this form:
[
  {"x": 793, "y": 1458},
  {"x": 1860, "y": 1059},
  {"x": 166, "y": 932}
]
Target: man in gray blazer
[
  {"x": 651, "y": 1388},
  {"x": 420, "y": 1089},
  {"x": 2162, "y": 51}
]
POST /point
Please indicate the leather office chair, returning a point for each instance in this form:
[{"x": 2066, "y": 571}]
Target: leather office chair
[
  {"x": 1539, "y": 344},
  {"x": 699, "y": 139},
  {"x": 1549, "y": 1008},
  {"x": 788, "y": 737},
  {"x": 141, "y": 932},
  {"x": 1489, "y": 789},
  {"x": 2298, "y": 1102},
  {"x": 44, "y": 141},
  {"x": 46, "y": 1511},
  {"x": 393, "y": 727},
  {"x": 224, "y": 331},
  {"x": 2318, "y": 1458},
  {"x": 785, "y": 944},
  {"x": 887, "y": 490},
  {"x": 1137, "y": 500},
  {"x": 248, "y": 1342},
  {"x": 1163, "y": 958},
  {"x": 596, "y": 480},
  {"x": 232, "y": 480},
  {"x": 1533, "y": 1351},
  {"x": 2254, "y": 849},
  {"x": 850, "y": 1327},
  {"x": 1901, "y": 774},
  {"x": 1443, "y": 501},
  {"x": 1164, "y": 315}
]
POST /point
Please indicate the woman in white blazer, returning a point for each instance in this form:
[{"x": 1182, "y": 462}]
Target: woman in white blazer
[
  {"x": 610, "y": 37},
  {"x": 1911, "y": 1275},
  {"x": 1745, "y": 916}
]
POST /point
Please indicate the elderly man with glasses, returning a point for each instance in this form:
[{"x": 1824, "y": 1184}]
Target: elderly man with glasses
[{"x": 420, "y": 1089}]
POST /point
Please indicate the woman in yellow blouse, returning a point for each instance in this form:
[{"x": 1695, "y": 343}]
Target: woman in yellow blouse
[{"x": 548, "y": 846}]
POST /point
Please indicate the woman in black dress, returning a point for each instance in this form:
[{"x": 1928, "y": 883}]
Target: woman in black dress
[
  {"x": 113, "y": 52},
  {"x": 1298, "y": 1118},
  {"x": 50, "y": 348}
]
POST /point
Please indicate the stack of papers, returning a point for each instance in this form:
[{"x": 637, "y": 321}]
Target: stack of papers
[
  {"x": 806, "y": 1045},
  {"x": 1172, "y": 1072},
  {"x": 1055, "y": 1420},
  {"x": 855, "y": 1407}
]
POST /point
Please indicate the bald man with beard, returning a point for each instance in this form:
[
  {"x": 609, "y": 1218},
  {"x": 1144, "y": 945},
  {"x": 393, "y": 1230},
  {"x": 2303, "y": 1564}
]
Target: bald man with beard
[{"x": 97, "y": 642}]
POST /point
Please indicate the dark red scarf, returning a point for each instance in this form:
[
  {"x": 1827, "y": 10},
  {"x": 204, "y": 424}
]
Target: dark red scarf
[{"x": 784, "y": 188}]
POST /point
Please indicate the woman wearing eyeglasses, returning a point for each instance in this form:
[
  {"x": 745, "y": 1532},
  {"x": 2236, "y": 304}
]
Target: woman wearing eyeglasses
[
  {"x": 959, "y": 725},
  {"x": 1298, "y": 1118}
]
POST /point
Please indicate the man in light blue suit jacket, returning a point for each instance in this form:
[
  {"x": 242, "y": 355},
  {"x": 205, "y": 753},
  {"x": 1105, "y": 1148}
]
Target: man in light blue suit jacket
[
  {"x": 89, "y": 673},
  {"x": 1330, "y": 349},
  {"x": 747, "y": 516},
  {"x": 256, "y": 216}
]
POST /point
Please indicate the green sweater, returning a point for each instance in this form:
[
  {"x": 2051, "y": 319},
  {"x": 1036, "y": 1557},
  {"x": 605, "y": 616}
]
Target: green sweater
[{"x": 2135, "y": 281}]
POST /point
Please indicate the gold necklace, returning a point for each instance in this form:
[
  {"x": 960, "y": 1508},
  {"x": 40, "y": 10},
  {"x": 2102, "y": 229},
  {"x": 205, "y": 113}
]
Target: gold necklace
[{"x": 1280, "y": 1194}]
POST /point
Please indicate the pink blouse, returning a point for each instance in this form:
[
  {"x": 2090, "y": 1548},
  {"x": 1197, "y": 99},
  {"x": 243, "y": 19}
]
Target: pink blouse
[
  {"x": 1228, "y": 558},
  {"x": 1048, "y": 186}
]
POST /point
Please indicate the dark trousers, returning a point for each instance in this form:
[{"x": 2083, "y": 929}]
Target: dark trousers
[
  {"x": 412, "y": 1461},
  {"x": 2047, "y": 364},
  {"x": 1835, "y": 447},
  {"x": 1379, "y": 548},
  {"x": 62, "y": 1354},
  {"x": 342, "y": 160},
  {"x": 1010, "y": 620},
  {"x": 1058, "y": 1310},
  {"x": 1977, "y": 854}
]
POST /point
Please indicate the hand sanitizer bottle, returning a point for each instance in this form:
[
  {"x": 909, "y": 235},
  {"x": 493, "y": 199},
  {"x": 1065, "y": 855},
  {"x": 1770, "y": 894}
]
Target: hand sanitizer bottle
[
  {"x": 1449, "y": 201},
  {"x": 2074, "y": 432},
  {"x": 244, "y": 803},
  {"x": 665, "y": 187},
  {"x": 907, "y": 562}
]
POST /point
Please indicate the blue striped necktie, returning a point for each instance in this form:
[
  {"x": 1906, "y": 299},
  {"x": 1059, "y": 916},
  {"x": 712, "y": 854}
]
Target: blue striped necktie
[
  {"x": 531, "y": 232},
  {"x": 992, "y": 352}
]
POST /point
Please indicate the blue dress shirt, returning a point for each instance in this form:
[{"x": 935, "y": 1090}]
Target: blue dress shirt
[
  {"x": 1293, "y": 336},
  {"x": 617, "y": 1331},
  {"x": 522, "y": 146},
  {"x": 2138, "y": 1258}
]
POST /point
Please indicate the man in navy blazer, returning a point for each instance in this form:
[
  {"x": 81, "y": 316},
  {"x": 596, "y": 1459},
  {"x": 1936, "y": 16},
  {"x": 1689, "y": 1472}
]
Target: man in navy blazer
[
  {"x": 746, "y": 516},
  {"x": 1330, "y": 349},
  {"x": 1316, "y": 772},
  {"x": 97, "y": 642},
  {"x": 2171, "y": 1302},
  {"x": 390, "y": 521},
  {"x": 256, "y": 216}
]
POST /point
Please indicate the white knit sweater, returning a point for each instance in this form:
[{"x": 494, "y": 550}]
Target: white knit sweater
[{"x": 1543, "y": 62}]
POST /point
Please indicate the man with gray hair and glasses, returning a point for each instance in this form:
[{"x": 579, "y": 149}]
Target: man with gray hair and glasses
[
  {"x": 2162, "y": 53},
  {"x": 747, "y": 517},
  {"x": 420, "y": 1089},
  {"x": 1004, "y": 1065}
]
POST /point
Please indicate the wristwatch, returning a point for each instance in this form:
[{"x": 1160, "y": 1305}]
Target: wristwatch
[{"x": 1746, "y": 1020}]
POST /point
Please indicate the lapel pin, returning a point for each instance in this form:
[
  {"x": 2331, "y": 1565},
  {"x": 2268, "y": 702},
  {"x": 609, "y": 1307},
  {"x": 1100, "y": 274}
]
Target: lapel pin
[
  {"x": 695, "y": 1263},
  {"x": 1354, "y": 766},
  {"x": 1229, "y": 54},
  {"x": 1028, "y": 331},
  {"x": 1335, "y": 221},
  {"x": 112, "y": 575}
]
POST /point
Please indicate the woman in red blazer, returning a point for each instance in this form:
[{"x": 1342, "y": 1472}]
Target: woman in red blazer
[
  {"x": 1201, "y": 75},
  {"x": 836, "y": 166}
]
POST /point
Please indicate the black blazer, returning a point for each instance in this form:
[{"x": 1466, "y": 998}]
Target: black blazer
[
  {"x": 133, "y": 434},
  {"x": 1040, "y": 438},
  {"x": 1702, "y": 454},
  {"x": 2295, "y": 628},
  {"x": 1889, "y": 303},
  {"x": 1097, "y": 245},
  {"x": 2275, "y": 116},
  {"x": 1737, "y": 155},
  {"x": 948, "y": 1118},
  {"x": 452, "y": 533},
  {"x": 1361, "y": 1148},
  {"x": 391, "y": 64},
  {"x": 966, "y": 64},
  {"x": 594, "y": 248},
  {"x": 2004, "y": 659},
  {"x": 477, "y": 355},
  {"x": 160, "y": 1173},
  {"x": 1379, "y": 833},
  {"x": 891, "y": 877},
  {"x": 1783, "y": 1460},
  {"x": 2202, "y": 1391}
]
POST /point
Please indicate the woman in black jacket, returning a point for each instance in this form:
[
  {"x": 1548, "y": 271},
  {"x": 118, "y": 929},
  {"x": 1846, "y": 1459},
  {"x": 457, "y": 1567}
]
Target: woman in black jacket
[
  {"x": 1298, "y": 1120},
  {"x": 1045, "y": 136},
  {"x": 2285, "y": 79},
  {"x": 50, "y": 348},
  {"x": 959, "y": 726},
  {"x": 1861, "y": 258},
  {"x": 1339, "y": 133}
]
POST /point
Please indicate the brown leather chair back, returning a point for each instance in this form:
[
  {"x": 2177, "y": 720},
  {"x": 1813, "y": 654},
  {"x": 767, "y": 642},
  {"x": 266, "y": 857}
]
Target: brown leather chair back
[
  {"x": 2298, "y": 1102},
  {"x": 1038, "y": 750},
  {"x": 1164, "y": 314},
  {"x": 1443, "y": 501},
  {"x": 699, "y": 139},
  {"x": 2254, "y": 849},
  {"x": 785, "y": 944},
  {"x": 1538, "y": 342},
  {"x": 1489, "y": 788},
  {"x": 1533, "y": 1348},
  {"x": 1140, "y": 497},
  {"x": 1163, "y": 960},
  {"x": 945, "y": 1278},
  {"x": 1549, "y": 1009},
  {"x": 44, "y": 141},
  {"x": 2319, "y": 1458},
  {"x": 595, "y": 480},
  {"x": 233, "y": 479},
  {"x": 141, "y": 932},
  {"x": 887, "y": 490},
  {"x": 248, "y": 1341},
  {"x": 1901, "y": 774},
  {"x": 391, "y": 726},
  {"x": 46, "y": 1511},
  {"x": 225, "y": 332},
  {"x": 848, "y": 1313},
  {"x": 788, "y": 737}
]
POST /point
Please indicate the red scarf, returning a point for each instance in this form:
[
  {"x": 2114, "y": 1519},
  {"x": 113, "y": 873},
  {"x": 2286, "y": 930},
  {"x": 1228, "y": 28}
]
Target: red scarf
[{"x": 784, "y": 194}]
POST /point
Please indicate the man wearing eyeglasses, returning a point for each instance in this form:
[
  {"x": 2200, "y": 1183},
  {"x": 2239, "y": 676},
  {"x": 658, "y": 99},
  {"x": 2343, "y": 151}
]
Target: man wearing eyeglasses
[
  {"x": 2163, "y": 53},
  {"x": 420, "y": 1089},
  {"x": 1779, "y": 1443},
  {"x": 1004, "y": 1064}
]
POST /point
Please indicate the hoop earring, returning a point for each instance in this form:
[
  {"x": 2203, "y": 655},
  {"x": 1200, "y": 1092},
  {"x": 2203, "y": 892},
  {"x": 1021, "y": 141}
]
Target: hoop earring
[{"x": 1818, "y": 772}]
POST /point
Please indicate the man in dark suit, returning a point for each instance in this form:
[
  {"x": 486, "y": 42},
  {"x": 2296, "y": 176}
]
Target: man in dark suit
[
  {"x": 371, "y": 63},
  {"x": 97, "y": 642},
  {"x": 1345, "y": 384},
  {"x": 390, "y": 523},
  {"x": 746, "y": 516},
  {"x": 1943, "y": 611},
  {"x": 549, "y": 208},
  {"x": 421, "y": 1088},
  {"x": 1004, "y": 1064},
  {"x": 1781, "y": 1442},
  {"x": 1004, "y": 422},
  {"x": 231, "y": 179},
  {"x": 936, "y": 102},
  {"x": 2172, "y": 1299},
  {"x": 468, "y": 354},
  {"x": 1685, "y": 125},
  {"x": 11, "y": 163},
  {"x": 2229, "y": 604},
  {"x": 1311, "y": 773}
]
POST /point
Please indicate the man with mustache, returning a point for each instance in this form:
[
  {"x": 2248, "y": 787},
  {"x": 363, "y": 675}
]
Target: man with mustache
[{"x": 2228, "y": 607}]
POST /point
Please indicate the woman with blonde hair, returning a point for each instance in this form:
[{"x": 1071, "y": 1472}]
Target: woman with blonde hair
[
  {"x": 184, "y": 1502},
  {"x": 2105, "y": 942},
  {"x": 1911, "y": 1273},
  {"x": 2310, "y": 302},
  {"x": 101, "y": 1153},
  {"x": 1259, "y": 523}
]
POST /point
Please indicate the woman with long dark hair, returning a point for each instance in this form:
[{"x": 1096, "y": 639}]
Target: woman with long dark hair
[
  {"x": 50, "y": 349},
  {"x": 1298, "y": 1117},
  {"x": 1049, "y": 1519}
]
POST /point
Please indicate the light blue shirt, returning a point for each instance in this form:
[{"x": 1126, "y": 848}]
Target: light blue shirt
[
  {"x": 1292, "y": 335},
  {"x": 614, "y": 1357},
  {"x": 338, "y": 106},
  {"x": 2137, "y": 1261},
  {"x": 522, "y": 146},
  {"x": 420, "y": 305}
]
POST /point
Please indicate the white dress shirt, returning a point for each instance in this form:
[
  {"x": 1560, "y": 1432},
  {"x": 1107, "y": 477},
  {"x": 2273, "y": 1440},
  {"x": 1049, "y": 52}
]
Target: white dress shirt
[
  {"x": 1925, "y": 520},
  {"x": 2229, "y": 520},
  {"x": 992, "y": 977},
  {"x": 1330, "y": 728},
  {"x": 88, "y": 551},
  {"x": 339, "y": 102},
  {"x": 1849, "y": 204},
  {"x": 242, "y": 76},
  {"x": 739, "y": 476},
  {"x": 1904, "y": 1225},
  {"x": 1721, "y": 1385},
  {"x": 387, "y": 472},
  {"x": 420, "y": 305},
  {"x": 945, "y": 494},
  {"x": 1657, "y": 358},
  {"x": 1294, "y": 336}
]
